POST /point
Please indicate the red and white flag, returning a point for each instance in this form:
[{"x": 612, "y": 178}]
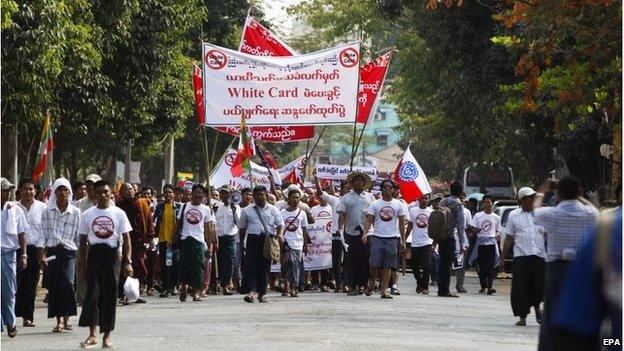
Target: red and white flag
[
  {"x": 372, "y": 76},
  {"x": 199, "y": 95},
  {"x": 257, "y": 40},
  {"x": 411, "y": 178}
]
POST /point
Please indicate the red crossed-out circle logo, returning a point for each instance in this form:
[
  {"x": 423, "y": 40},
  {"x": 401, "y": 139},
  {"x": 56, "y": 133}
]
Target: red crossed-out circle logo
[
  {"x": 349, "y": 57},
  {"x": 328, "y": 227},
  {"x": 422, "y": 220},
  {"x": 193, "y": 216},
  {"x": 229, "y": 159},
  {"x": 215, "y": 59},
  {"x": 103, "y": 227},
  {"x": 323, "y": 214},
  {"x": 293, "y": 223},
  {"x": 486, "y": 226},
  {"x": 386, "y": 213}
]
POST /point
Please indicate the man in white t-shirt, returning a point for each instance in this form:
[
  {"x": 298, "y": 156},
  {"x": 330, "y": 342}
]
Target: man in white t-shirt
[
  {"x": 295, "y": 240},
  {"x": 103, "y": 227},
  {"x": 421, "y": 243},
  {"x": 196, "y": 238},
  {"x": 486, "y": 252},
  {"x": 387, "y": 216},
  {"x": 459, "y": 265}
]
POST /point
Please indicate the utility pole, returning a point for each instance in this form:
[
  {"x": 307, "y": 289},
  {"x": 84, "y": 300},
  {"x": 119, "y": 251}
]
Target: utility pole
[{"x": 169, "y": 161}]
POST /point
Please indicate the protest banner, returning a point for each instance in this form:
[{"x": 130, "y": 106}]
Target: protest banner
[
  {"x": 372, "y": 76},
  {"x": 221, "y": 174},
  {"x": 335, "y": 172},
  {"x": 319, "y": 249},
  {"x": 317, "y": 88}
]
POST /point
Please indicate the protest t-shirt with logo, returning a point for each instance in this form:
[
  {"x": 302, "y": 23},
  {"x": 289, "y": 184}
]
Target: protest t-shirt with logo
[
  {"x": 294, "y": 222},
  {"x": 319, "y": 211},
  {"x": 193, "y": 220},
  {"x": 488, "y": 224},
  {"x": 104, "y": 226},
  {"x": 386, "y": 223},
  {"x": 420, "y": 221}
]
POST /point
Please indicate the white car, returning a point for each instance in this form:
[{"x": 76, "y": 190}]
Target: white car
[{"x": 503, "y": 212}]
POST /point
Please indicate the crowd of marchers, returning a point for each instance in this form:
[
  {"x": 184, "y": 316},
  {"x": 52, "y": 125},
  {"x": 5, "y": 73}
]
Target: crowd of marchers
[{"x": 87, "y": 238}]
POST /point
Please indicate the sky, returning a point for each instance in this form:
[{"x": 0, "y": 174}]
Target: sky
[{"x": 275, "y": 13}]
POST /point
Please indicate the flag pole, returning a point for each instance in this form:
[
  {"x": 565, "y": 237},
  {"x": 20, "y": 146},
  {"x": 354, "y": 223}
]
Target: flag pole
[
  {"x": 312, "y": 150},
  {"x": 357, "y": 146},
  {"x": 305, "y": 164},
  {"x": 204, "y": 132},
  {"x": 357, "y": 107}
]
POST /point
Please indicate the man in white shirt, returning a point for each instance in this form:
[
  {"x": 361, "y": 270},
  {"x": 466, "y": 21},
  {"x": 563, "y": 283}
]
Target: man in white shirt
[
  {"x": 104, "y": 227},
  {"x": 258, "y": 221},
  {"x": 13, "y": 235},
  {"x": 460, "y": 251},
  {"x": 527, "y": 240},
  {"x": 352, "y": 209},
  {"x": 28, "y": 278},
  {"x": 295, "y": 241},
  {"x": 421, "y": 244},
  {"x": 486, "y": 252},
  {"x": 387, "y": 216},
  {"x": 196, "y": 239},
  {"x": 227, "y": 216}
]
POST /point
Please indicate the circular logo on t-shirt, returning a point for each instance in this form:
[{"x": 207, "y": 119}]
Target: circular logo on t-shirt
[
  {"x": 103, "y": 227},
  {"x": 386, "y": 213},
  {"x": 193, "y": 216},
  {"x": 323, "y": 214},
  {"x": 292, "y": 224},
  {"x": 328, "y": 227},
  {"x": 486, "y": 226},
  {"x": 422, "y": 220}
]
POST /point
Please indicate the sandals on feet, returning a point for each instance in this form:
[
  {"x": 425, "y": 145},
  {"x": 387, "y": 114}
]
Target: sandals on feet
[
  {"x": 262, "y": 299},
  {"x": 386, "y": 296},
  {"x": 57, "y": 329},
  {"x": 12, "y": 331},
  {"x": 88, "y": 343},
  {"x": 28, "y": 324},
  {"x": 248, "y": 299},
  {"x": 521, "y": 323}
]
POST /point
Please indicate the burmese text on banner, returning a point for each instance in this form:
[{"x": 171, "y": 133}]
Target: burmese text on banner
[
  {"x": 336, "y": 172},
  {"x": 317, "y": 88},
  {"x": 319, "y": 249}
]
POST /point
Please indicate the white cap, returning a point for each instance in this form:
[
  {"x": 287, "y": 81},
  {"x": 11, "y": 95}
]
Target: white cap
[
  {"x": 526, "y": 191},
  {"x": 93, "y": 178}
]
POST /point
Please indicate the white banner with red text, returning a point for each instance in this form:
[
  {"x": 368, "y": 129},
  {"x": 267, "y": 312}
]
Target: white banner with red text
[
  {"x": 335, "y": 172},
  {"x": 317, "y": 88}
]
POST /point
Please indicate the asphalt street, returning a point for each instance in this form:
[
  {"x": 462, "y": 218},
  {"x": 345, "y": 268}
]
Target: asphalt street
[{"x": 313, "y": 321}]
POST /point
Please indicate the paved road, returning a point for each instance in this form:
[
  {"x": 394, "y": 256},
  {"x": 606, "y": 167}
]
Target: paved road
[{"x": 314, "y": 321}]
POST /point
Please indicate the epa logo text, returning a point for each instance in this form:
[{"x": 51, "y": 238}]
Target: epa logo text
[{"x": 611, "y": 342}]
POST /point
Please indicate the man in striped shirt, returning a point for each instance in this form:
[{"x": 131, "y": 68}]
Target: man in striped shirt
[{"x": 567, "y": 225}]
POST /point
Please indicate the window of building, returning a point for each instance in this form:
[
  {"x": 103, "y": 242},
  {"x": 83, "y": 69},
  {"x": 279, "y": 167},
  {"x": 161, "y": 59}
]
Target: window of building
[
  {"x": 382, "y": 140},
  {"x": 380, "y": 116}
]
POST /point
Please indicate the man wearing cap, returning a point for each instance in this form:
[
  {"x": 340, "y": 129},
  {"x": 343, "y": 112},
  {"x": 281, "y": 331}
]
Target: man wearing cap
[
  {"x": 527, "y": 240},
  {"x": 352, "y": 210},
  {"x": 227, "y": 215},
  {"x": 28, "y": 279},
  {"x": 59, "y": 238},
  {"x": 14, "y": 226}
]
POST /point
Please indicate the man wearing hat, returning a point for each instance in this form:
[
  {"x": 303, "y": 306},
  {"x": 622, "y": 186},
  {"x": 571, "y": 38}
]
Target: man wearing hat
[
  {"x": 228, "y": 215},
  {"x": 527, "y": 240},
  {"x": 352, "y": 210},
  {"x": 14, "y": 226}
]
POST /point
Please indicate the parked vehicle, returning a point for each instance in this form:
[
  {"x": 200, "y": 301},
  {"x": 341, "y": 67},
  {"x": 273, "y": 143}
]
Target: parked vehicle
[
  {"x": 499, "y": 183},
  {"x": 503, "y": 212}
]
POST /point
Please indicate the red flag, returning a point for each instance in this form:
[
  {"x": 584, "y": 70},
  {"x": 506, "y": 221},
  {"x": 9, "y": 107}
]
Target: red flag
[
  {"x": 292, "y": 177},
  {"x": 267, "y": 157},
  {"x": 259, "y": 41},
  {"x": 411, "y": 178},
  {"x": 199, "y": 95},
  {"x": 372, "y": 76}
]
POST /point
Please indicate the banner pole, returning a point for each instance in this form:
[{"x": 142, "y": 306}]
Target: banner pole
[
  {"x": 204, "y": 132},
  {"x": 358, "y": 143},
  {"x": 305, "y": 164},
  {"x": 313, "y": 148},
  {"x": 214, "y": 149},
  {"x": 357, "y": 105},
  {"x": 353, "y": 146}
]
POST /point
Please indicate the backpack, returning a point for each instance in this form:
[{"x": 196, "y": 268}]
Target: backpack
[{"x": 440, "y": 226}]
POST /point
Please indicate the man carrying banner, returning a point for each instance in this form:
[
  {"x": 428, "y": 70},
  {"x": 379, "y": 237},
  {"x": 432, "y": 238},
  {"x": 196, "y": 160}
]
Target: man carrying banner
[
  {"x": 352, "y": 211},
  {"x": 387, "y": 216}
]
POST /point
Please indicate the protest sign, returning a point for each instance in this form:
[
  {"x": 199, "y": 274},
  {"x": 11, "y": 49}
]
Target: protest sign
[
  {"x": 317, "y": 88},
  {"x": 319, "y": 249},
  {"x": 336, "y": 172}
]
